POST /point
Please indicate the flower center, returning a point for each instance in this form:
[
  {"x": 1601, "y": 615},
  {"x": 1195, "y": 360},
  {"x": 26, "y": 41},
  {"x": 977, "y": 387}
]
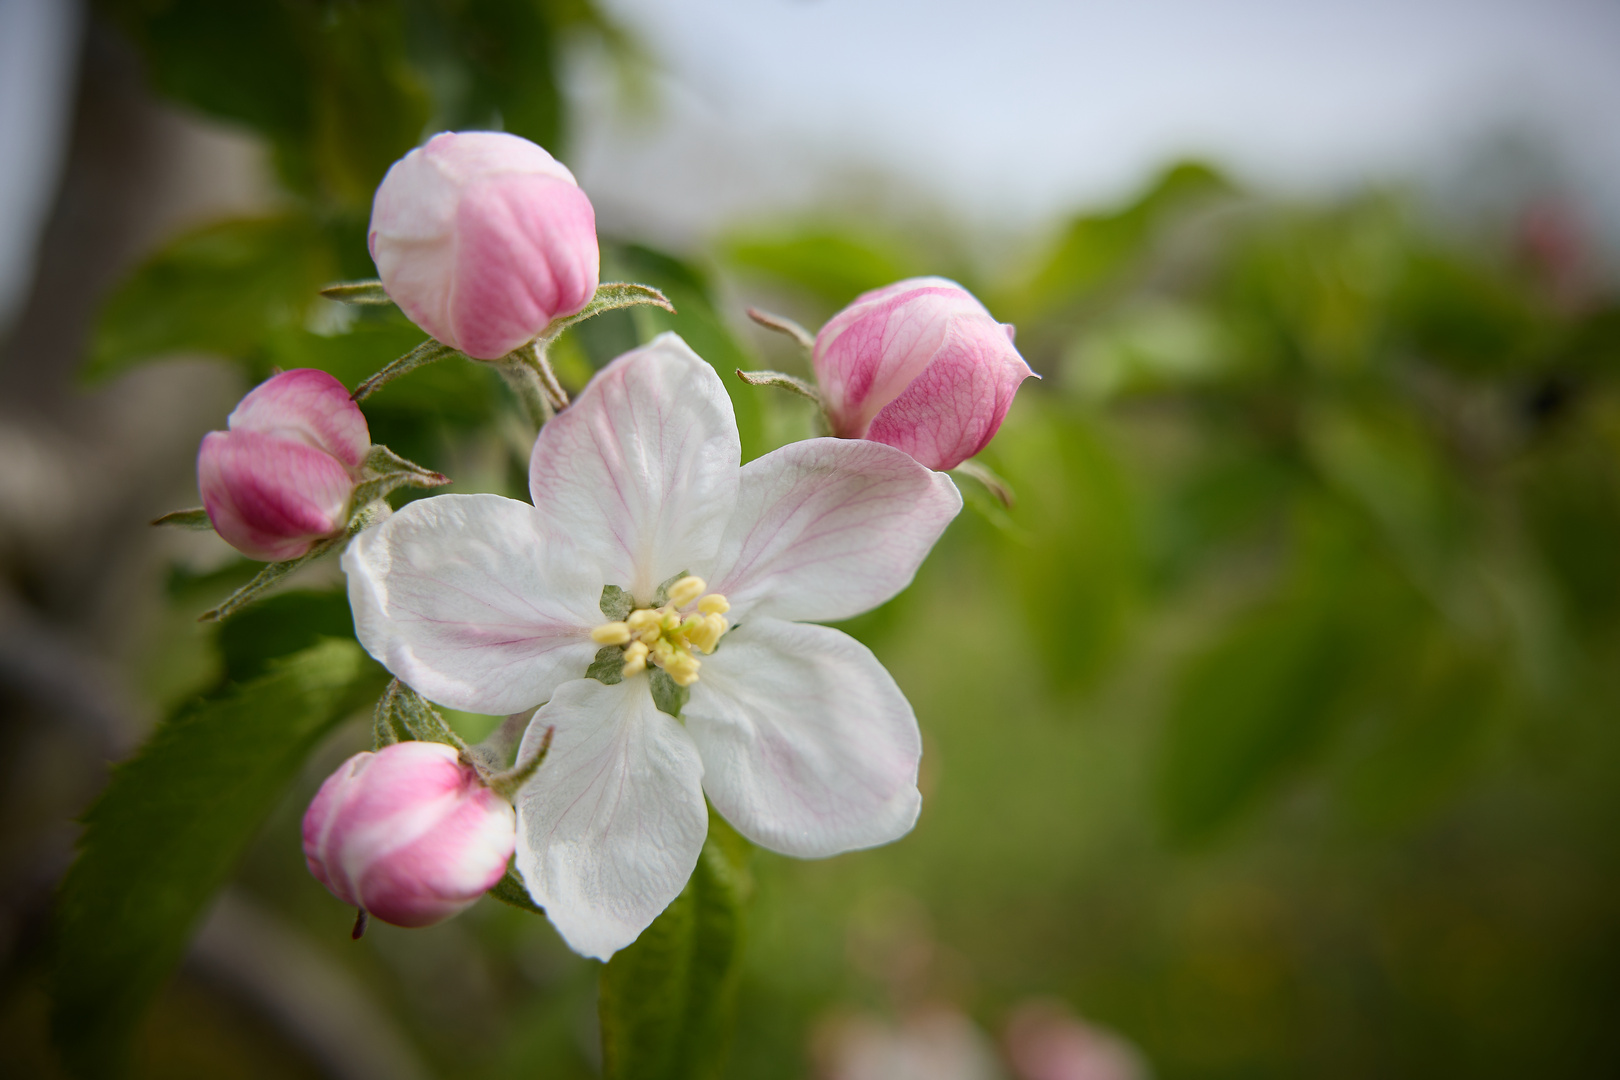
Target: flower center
[{"x": 665, "y": 637}]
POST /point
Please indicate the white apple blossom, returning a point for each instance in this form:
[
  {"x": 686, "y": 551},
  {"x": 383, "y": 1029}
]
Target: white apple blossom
[{"x": 795, "y": 732}]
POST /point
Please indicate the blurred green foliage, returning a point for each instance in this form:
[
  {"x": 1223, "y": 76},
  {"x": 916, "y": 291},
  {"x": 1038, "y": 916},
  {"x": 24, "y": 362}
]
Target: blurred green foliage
[{"x": 1274, "y": 726}]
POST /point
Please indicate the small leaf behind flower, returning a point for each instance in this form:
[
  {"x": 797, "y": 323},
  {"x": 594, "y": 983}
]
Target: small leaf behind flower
[
  {"x": 186, "y": 519},
  {"x": 165, "y": 833},
  {"x": 608, "y": 667},
  {"x": 661, "y": 594},
  {"x": 510, "y": 890},
  {"x": 358, "y": 292},
  {"x": 667, "y": 1001},
  {"x": 669, "y": 697},
  {"x": 616, "y": 604}
]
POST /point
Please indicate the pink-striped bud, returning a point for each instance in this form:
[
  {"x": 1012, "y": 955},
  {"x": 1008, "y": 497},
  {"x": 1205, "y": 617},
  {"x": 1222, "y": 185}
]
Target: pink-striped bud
[
  {"x": 919, "y": 365},
  {"x": 409, "y": 834},
  {"x": 281, "y": 476},
  {"x": 483, "y": 239}
]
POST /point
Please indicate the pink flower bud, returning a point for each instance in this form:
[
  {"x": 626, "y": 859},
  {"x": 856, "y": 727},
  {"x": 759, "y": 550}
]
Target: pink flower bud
[
  {"x": 482, "y": 239},
  {"x": 280, "y": 478},
  {"x": 919, "y": 365},
  {"x": 408, "y": 834}
]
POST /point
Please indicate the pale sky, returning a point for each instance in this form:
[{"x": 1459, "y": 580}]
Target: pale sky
[{"x": 1020, "y": 109}]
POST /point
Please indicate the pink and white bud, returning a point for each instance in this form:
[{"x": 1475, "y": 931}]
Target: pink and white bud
[
  {"x": 919, "y": 365},
  {"x": 483, "y": 239},
  {"x": 408, "y": 834},
  {"x": 282, "y": 474}
]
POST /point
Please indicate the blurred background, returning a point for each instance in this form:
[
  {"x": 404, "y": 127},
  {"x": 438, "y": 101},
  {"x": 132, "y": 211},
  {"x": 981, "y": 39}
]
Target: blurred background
[{"x": 1273, "y": 731}]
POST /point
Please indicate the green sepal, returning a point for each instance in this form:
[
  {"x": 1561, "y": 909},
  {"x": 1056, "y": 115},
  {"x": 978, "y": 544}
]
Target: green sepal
[
  {"x": 429, "y": 352},
  {"x": 784, "y": 325},
  {"x": 661, "y": 594},
  {"x": 274, "y": 572},
  {"x": 385, "y": 472},
  {"x": 616, "y": 604},
  {"x": 414, "y": 714},
  {"x": 782, "y": 381},
  {"x": 358, "y": 292},
  {"x": 610, "y": 296},
  {"x": 168, "y": 829},
  {"x": 510, "y": 890},
  {"x": 669, "y": 697},
  {"x": 186, "y": 519},
  {"x": 667, "y": 1001},
  {"x": 608, "y": 667},
  {"x": 993, "y": 483}
]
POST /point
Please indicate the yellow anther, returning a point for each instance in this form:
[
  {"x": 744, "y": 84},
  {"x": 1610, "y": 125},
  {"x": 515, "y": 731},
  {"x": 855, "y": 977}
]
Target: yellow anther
[
  {"x": 668, "y": 621},
  {"x": 682, "y": 667},
  {"x": 707, "y": 635},
  {"x": 686, "y": 590},
  {"x": 635, "y": 659},
  {"x": 642, "y": 619},
  {"x": 690, "y": 623},
  {"x": 613, "y": 633},
  {"x": 714, "y": 604}
]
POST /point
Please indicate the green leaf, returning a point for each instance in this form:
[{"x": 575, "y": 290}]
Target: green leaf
[
  {"x": 616, "y": 604},
  {"x": 327, "y": 84},
  {"x": 215, "y": 290},
  {"x": 667, "y": 1001},
  {"x": 669, "y": 697},
  {"x": 286, "y": 623},
  {"x": 1097, "y": 248},
  {"x": 166, "y": 832},
  {"x": 832, "y": 265}
]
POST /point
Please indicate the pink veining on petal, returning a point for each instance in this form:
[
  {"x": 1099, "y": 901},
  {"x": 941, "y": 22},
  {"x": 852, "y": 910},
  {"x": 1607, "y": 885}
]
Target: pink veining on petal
[
  {"x": 828, "y": 528},
  {"x": 408, "y": 834},
  {"x": 641, "y": 470},
  {"x": 309, "y": 405},
  {"x": 952, "y": 409},
  {"x": 868, "y": 353},
  {"x": 526, "y": 253},
  {"x": 482, "y": 238},
  {"x": 268, "y": 496}
]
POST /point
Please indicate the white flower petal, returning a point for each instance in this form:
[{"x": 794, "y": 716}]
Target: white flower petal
[
  {"x": 809, "y": 748},
  {"x": 828, "y": 528},
  {"x": 611, "y": 826},
  {"x": 641, "y": 470},
  {"x": 467, "y": 601}
]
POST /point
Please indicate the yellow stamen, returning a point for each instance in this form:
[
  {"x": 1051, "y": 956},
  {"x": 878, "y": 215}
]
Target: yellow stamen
[
  {"x": 613, "y": 633},
  {"x": 707, "y": 635},
  {"x": 685, "y": 591},
  {"x": 635, "y": 659},
  {"x": 662, "y": 636}
]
